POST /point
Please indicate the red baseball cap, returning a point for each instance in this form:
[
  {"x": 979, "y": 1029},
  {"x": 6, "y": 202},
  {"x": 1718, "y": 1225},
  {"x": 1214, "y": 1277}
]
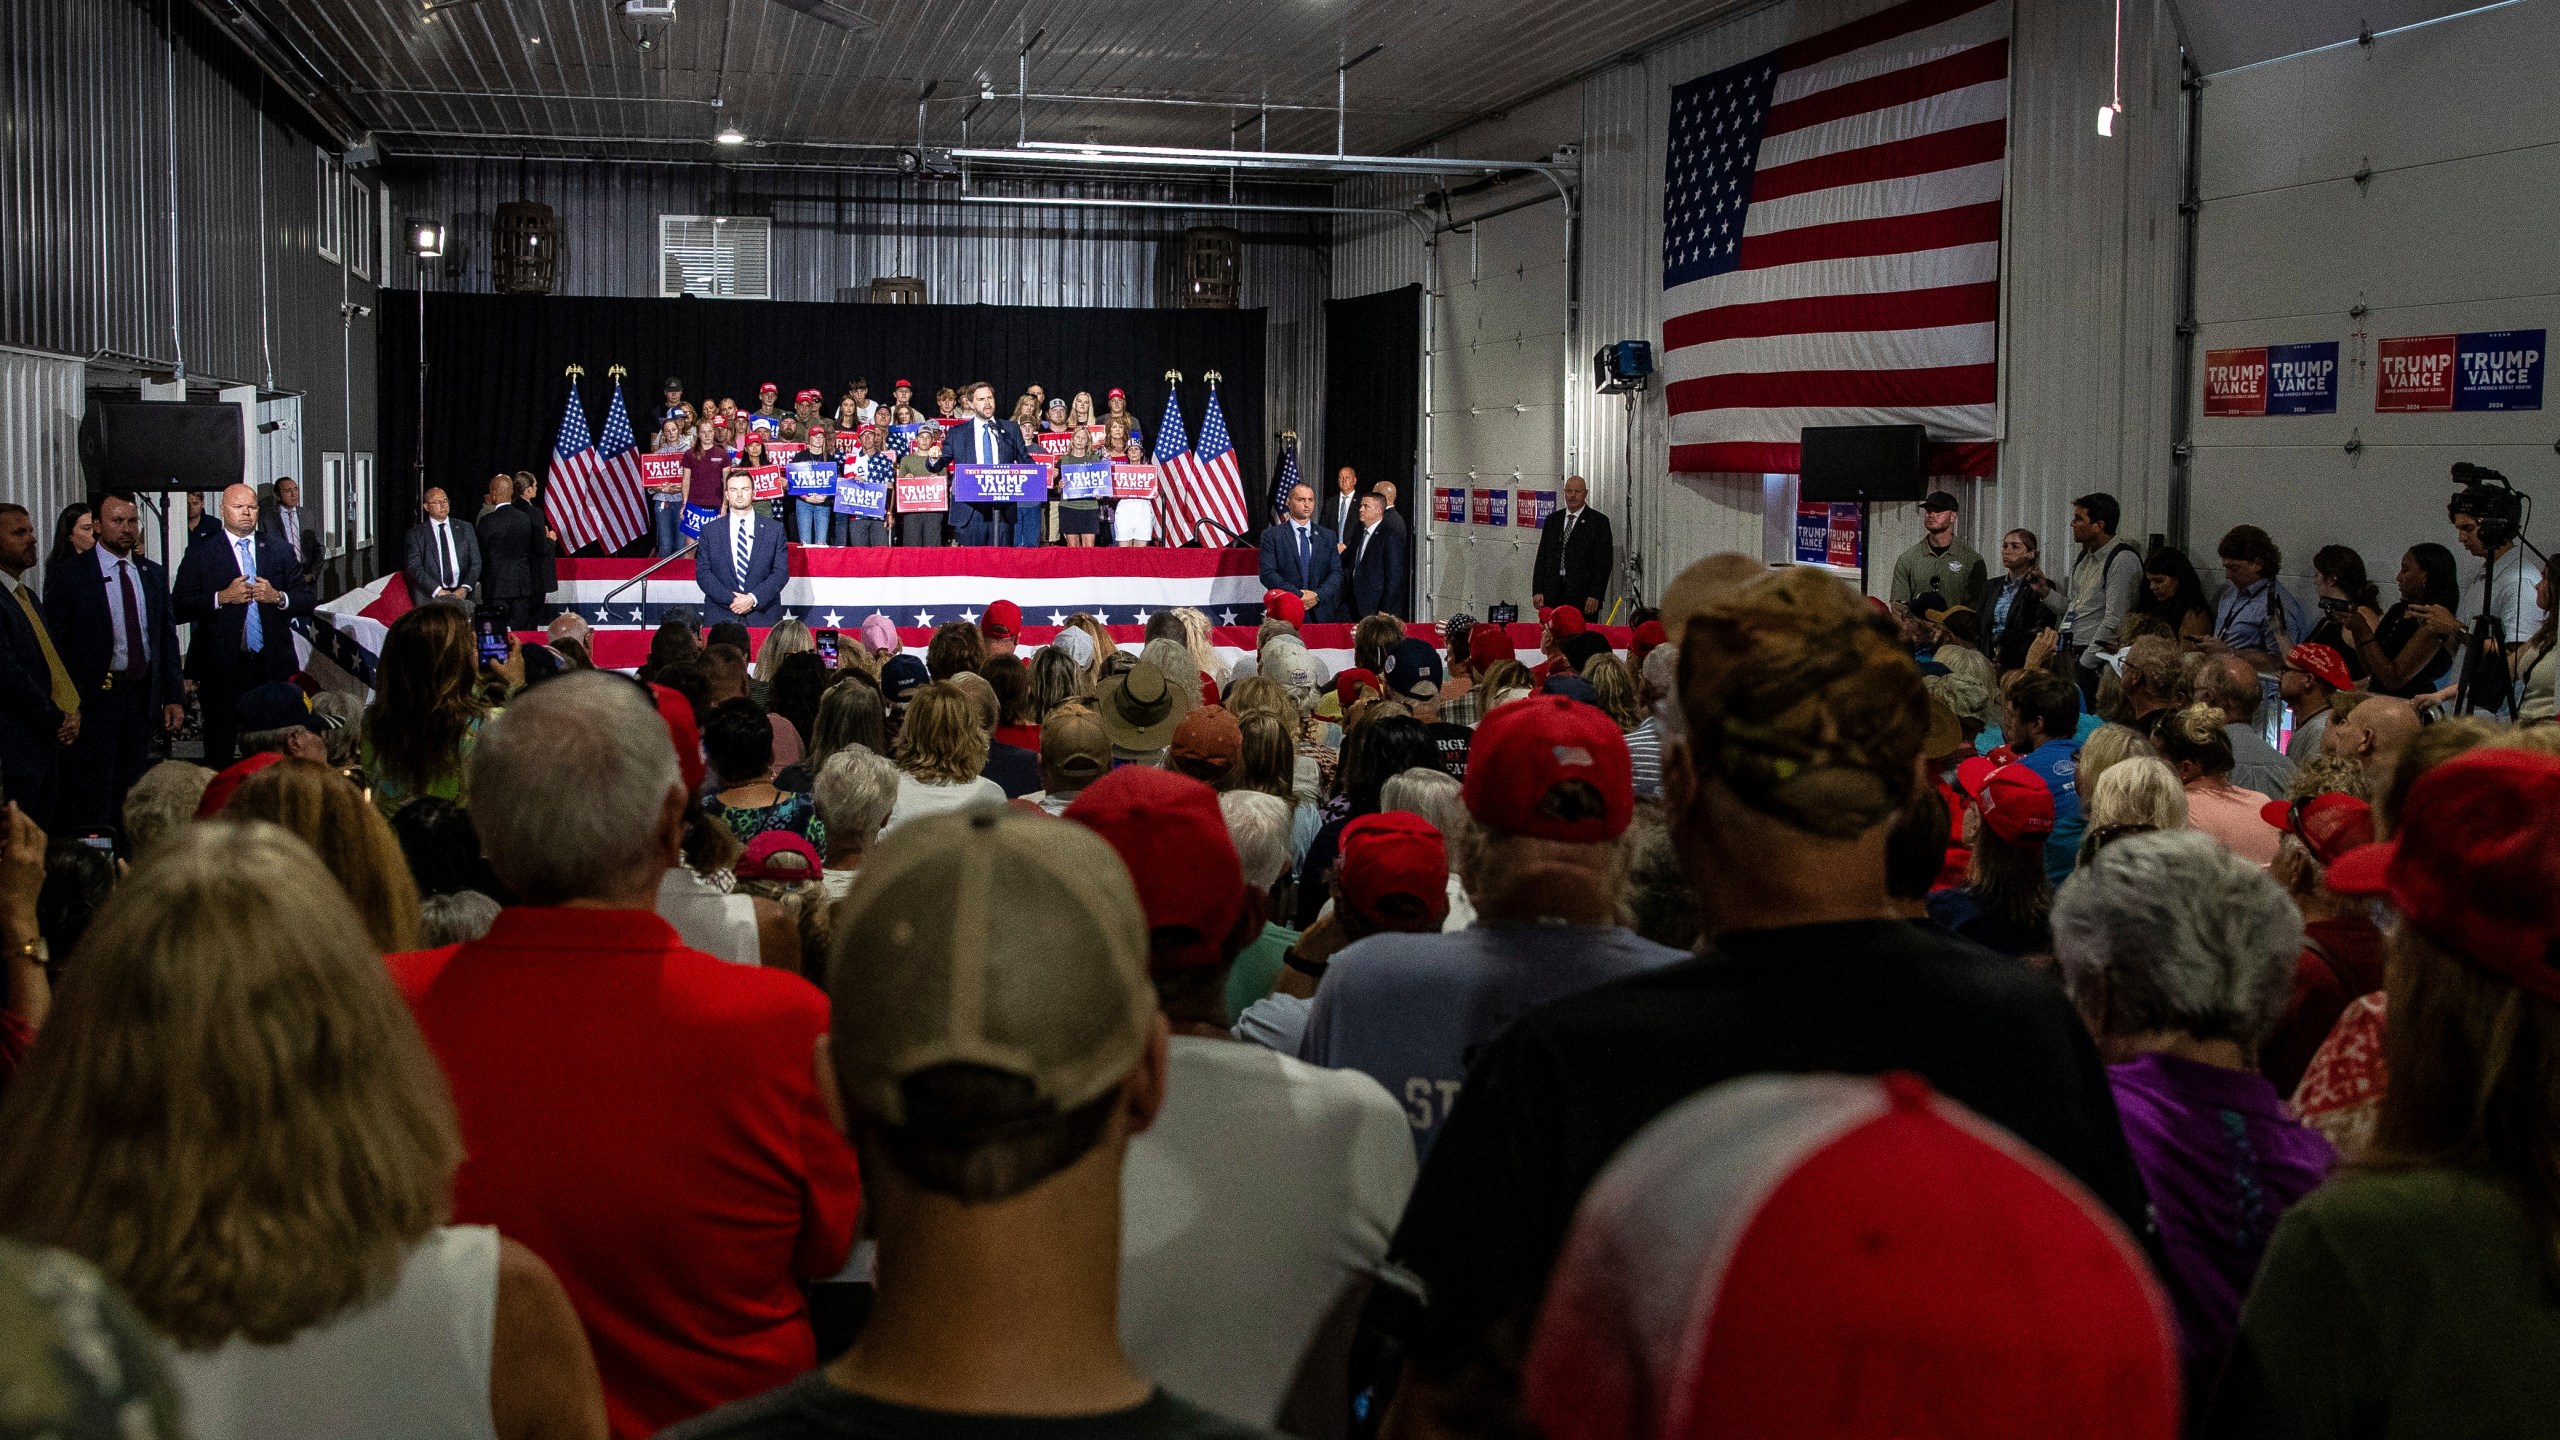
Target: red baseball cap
[
  {"x": 1346, "y": 686},
  {"x": 1003, "y": 620},
  {"x": 228, "y": 783},
  {"x": 1117, "y": 394},
  {"x": 1642, "y": 641},
  {"x": 2476, "y": 863},
  {"x": 2327, "y": 825},
  {"x": 683, "y": 733},
  {"x": 778, "y": 855},
  {"x": 1394, "y": 853},
  {"x": 1283, "y": 605},
  {"x": 812, "y": 396},
  {"x": 1566, "y": 620},
  {"x": 901, "y": 385},
  {"x": 1531, "y": 762},
  {"x": 2321, "y": 663},
  {"x": 768, "y": 388},
  {"x": 2015, "y": 803},
  {"x": 1169, "y": 831},
  {"x": 1489, "y": 645}
]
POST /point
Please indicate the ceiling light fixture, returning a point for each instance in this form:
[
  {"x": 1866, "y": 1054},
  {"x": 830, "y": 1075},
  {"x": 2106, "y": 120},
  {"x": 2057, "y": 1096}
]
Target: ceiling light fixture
[
  {"x": 731, "y": 135},
  {"x": 2114, "y": 107},
  {"x": 426, "y": 239}
]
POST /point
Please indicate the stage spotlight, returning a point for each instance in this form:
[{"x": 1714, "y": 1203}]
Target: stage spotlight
[
  {"x": 426, "y": 239},
  {"x": 1623, "y": 367}
]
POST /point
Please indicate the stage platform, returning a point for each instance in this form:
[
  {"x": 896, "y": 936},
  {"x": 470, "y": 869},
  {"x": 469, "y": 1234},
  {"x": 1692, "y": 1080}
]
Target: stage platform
[{"x": 837, "y": 587}]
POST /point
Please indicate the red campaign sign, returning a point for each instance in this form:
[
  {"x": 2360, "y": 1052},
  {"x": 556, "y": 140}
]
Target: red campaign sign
[
  {"x": 769, "y": 481},
  {"x": 950, "y": 422},
  {"x": 1055, "y": 442},
  {"x": 1132, "y": 482},
  {"x": 783, "y": 452},
  {"x": 923, "y": 494},
  {"x": 1450, "y": 505},
  {"x": 2235, "y": 381},
  {"x": 662, "y": 470},
  {"x": 2413, "y": 373},
  {"x": 1480, "y": 507}
]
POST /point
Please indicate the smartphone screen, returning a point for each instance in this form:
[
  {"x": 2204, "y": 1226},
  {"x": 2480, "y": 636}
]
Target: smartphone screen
[
  {"x": 492, "y": 625},
  {"x": 827, "y": 647}
]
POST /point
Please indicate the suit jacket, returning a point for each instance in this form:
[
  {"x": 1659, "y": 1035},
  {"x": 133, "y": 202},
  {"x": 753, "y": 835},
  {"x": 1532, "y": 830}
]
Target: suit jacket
[
  {"x": 1340, "y": 514},
  {"x": 1280, "y": 568},
  {"x": 507, "y": 541},
  {"x": 1377, "y": 572},
  {"x": 424, "y": 569},
  {"x": 214, "y": 656},
  {"x": 28, "y": 717},
  {"x": 960, "y": 446},
  {"x": 75, "y": 611},
  {"x": 1570, "y": 572},
  {"x": 768, "y": 569},
  {"x": 271, "y": 522},
  {"x": 546, "y": 553}
]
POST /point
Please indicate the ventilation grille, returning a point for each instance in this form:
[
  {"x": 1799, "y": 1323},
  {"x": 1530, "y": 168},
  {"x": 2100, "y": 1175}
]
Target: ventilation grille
[{"x": 726, "y": 257}]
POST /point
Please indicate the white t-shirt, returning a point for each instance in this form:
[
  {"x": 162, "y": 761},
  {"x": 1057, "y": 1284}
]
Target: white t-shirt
[
  {"x": 917, "y": 798},
  {"x": 1264, "y": 1189},
  {"x": 708, "y": 918},
  {"x": 2510, "y": 597},
  {"x": 413, "y": 1365}
]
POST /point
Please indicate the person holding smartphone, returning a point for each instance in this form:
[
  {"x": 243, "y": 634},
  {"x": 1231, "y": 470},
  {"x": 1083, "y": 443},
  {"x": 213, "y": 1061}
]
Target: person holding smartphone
[{"x": 2020, "y": 604}]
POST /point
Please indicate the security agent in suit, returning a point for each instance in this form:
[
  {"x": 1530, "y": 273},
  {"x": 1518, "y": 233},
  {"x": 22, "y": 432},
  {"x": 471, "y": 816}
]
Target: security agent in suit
[
  {"x": 1376, "y": 561},
  {"x": 241, "y": 591},
  {"x": 1298, "y": 556},
  {"x": 546, "y": 541},
  {"x": 39, "y": 715},
  {"x": 985, "y": 440},
  {"x": 284, "y": 520},
  {"x": 742, "y": 563},
  {"x": 507, "y": 543},
  {"x": 1574, "y": 554},
  {"x": 111, "y": 620},
  {"x": 444, "y": 554}
]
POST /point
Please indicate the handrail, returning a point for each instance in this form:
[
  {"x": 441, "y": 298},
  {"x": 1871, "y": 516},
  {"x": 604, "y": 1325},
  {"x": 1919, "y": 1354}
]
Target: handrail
[{"x": 689, "y": 547}]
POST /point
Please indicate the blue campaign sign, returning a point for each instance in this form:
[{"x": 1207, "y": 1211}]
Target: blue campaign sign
[
  {"x": 2302, "y": 379},
  {"x": 2498, "y": 370},
  {"x": 1000, "y": 484},
  {"x": 811, "y": 478},
  {"x": 694, "y": 518},
  {"x": 1085, "y": 480},
  {"x": 862, "y": 497}
]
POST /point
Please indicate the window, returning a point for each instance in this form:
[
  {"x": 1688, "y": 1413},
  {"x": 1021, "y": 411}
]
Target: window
[
  {"x": 362, "y": 240},
  {"x": 325, "y": 235},
  {"x": 726, "y": 257},
  {"x": 333, "y": 502},
  {"x": 363, "y": 535}
]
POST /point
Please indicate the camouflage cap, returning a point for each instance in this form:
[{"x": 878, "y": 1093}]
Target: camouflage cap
[{"x": 1801, "y": 700}]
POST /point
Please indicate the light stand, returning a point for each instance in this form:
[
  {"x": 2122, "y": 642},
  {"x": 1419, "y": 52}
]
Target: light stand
[
  {"x": 426, "y": 241},
  {"x": 1626, "y": 368}
]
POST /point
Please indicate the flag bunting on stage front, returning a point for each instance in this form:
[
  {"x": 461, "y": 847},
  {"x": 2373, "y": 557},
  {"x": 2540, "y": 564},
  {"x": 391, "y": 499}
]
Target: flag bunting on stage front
[
  {"x": 1286, "y": 479},
  {"x": 1831, "y": 241},
  {"x": 1206, "y": 484}
]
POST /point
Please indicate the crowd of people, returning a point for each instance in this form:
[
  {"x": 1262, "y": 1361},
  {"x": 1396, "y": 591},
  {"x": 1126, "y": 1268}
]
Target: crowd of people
[{"x": 1821, "y": 1015}]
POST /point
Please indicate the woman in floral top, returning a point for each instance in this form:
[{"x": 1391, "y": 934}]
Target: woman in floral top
[{"x": 739, "y": 743}]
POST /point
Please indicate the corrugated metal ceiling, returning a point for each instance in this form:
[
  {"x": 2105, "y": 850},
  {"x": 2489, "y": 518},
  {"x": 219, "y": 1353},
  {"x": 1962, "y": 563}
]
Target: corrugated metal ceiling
[{"x": 571, "y": 77}]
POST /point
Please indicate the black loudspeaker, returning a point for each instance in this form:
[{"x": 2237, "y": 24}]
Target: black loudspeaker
[
  {"x": 169, "y": 445},
  {"x": 1864, "y": 462}
]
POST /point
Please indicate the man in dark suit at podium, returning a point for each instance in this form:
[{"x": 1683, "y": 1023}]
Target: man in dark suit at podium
[
  {"x": 109, "y": 614},
  {"x": 1574, "y": 554},
  {"x": 984, "y": 440},
  {"x": 742, "y": 563},
  {"x": 1297, "y": 556},
  {"x": 240, "y": 590}
]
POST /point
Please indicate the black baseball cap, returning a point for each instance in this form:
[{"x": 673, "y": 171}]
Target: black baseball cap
[
  {"x": 277, "y": 706},
  {"x": 1939, "y": 500}
]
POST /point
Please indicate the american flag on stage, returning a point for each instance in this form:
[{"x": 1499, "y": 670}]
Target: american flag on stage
[
  {"x": 1205, "y": 487},
  {"x": 582, "y": 484},
  {"x": 1831, "y": 240},
  {"x": 1173, "y": 441},
  {"x": 1287, "y": 479}
]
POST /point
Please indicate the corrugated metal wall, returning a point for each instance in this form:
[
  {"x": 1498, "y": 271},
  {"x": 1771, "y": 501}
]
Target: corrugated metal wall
[
  {"x": 837, "y": 231},
  {"x": 93, "y": 93},
  {"x": 40, "y": 402}
]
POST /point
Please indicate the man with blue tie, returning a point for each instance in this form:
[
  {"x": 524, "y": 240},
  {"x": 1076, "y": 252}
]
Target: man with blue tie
[
  {"x": 742, "y": 563},
  {"x": 1298, "y": 557},
  {"x": 110, "y": 615},
  {"x": 985, "y": 440},
  {"x": 240, "y": 590}
]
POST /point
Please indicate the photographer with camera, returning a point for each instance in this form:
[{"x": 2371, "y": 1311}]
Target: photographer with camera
[{"x": 2501, "y": 604}]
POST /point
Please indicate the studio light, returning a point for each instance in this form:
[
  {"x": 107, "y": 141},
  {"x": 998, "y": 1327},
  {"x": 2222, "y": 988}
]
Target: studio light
[{"x": 426, "y": 239}]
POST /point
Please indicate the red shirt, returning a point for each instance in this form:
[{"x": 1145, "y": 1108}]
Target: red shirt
[
  {"x": 2340, "y": 961},
  {"x": 1026, "y": 736},
  {"x": 706, "y": 477},
  {"x": 646, "y": 1119}
]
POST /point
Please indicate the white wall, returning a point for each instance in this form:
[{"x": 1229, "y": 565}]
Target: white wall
[{"x": 2453, "y": 232}]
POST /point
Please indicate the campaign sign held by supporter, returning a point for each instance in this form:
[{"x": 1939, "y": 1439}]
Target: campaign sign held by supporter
[
  {"x": 695, "y": 517},
  {"x": 864, "y": 489},
  {"x": 811, "y": 478},
  {"x": 1132, "y": 482},
  {"x": 783, "y": 452},
  {"x": 902, "y": 438},
  {"x": 1054, "y": 443},
  {"x": 662, "y": 472},
  {"x": 769, "y": 481},
  {"x": 923, "y": 494},
  {"x": 1085, "y": 480},
  {"x": 1000, "y": 484},
  {"x": 1534, "y": 508},
  {"x": 950, "y": 422}
]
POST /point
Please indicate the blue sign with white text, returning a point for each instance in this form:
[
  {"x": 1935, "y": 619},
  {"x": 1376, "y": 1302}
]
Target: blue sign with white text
[
  {"x": 2498, "y": 370},
  {"x": 2303, "y": 379},
  {"x": 1000, "y": 484}
]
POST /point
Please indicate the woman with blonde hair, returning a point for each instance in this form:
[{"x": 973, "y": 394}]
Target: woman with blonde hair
[
  {"x": 325, "y": 811},
  {"x": 426, "y": 710},
  {"x": 1103, "y": 649},
  {"x": 940, "y": 750},
  {"x": 233, "y": 1116},
  {"x": 1615, "y": 684},
  {"x": 2137, "y": 795},
  {"x": 782, "y": 641},
  {"x": 1204, "y": 655}
]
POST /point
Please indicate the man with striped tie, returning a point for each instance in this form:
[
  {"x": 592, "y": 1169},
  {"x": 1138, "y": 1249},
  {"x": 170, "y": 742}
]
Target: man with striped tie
[
  {"x": 110, "y": 619},
  {"x": 742, "y": 564},
  {"x": 241, "y": 591}
]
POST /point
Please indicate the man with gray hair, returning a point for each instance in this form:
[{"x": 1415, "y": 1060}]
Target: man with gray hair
[
  {"x": 641, "y": 1115},
  {"x": 856, "y": 790},
  {"x": 2180, "y": 957},
  {"x": 2149, "y": 680},
  {"x": 2230, "y": 684}
]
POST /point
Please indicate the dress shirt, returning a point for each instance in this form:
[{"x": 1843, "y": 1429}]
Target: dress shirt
[
  {"x": 253, "y": 630},
  {"x": 291, "y": 518},
  {"x": 119, "y": 625},
  {"x": 449, "y": 567}
]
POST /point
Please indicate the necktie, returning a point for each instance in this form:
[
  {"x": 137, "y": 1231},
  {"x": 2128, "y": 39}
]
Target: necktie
[
  {"x": 741, "y": 535},
  {"x": 444, "y": 543},
  {"x": 135, "y": 651},
  {"x": 1306, "y": 559},
  {"x": 293, "y": 532},
  {"x": 253, "y": 630},
  {"x": 65, "y": 698}
]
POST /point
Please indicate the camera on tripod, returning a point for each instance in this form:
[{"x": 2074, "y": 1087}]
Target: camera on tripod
[{"x": 2489, "y": 498}]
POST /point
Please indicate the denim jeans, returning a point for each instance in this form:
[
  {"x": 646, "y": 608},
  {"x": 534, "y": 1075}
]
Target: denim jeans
[
  {"x": 813, "y": 521},
  {"x": 666, "y": 522},
  {"x": 1026, "y": 526}
]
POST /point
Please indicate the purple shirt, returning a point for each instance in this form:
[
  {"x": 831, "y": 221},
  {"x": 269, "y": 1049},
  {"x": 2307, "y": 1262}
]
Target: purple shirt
[{"x": 2223, "y": 1162}]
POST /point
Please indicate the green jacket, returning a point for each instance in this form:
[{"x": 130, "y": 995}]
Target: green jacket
[{"x": 1959, "y": 575}]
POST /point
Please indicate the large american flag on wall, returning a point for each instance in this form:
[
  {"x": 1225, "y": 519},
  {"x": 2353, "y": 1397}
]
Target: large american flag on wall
[{"x": 1831, "y": 241}]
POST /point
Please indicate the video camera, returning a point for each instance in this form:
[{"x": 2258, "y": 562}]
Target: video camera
[{"x": 2488, "y": 497}]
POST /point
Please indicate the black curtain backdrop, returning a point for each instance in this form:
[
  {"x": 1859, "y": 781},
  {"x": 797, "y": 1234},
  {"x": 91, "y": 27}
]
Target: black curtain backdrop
[
  {"x": 495, "y": 385},
  {"x": 1372, "y": 384}
]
